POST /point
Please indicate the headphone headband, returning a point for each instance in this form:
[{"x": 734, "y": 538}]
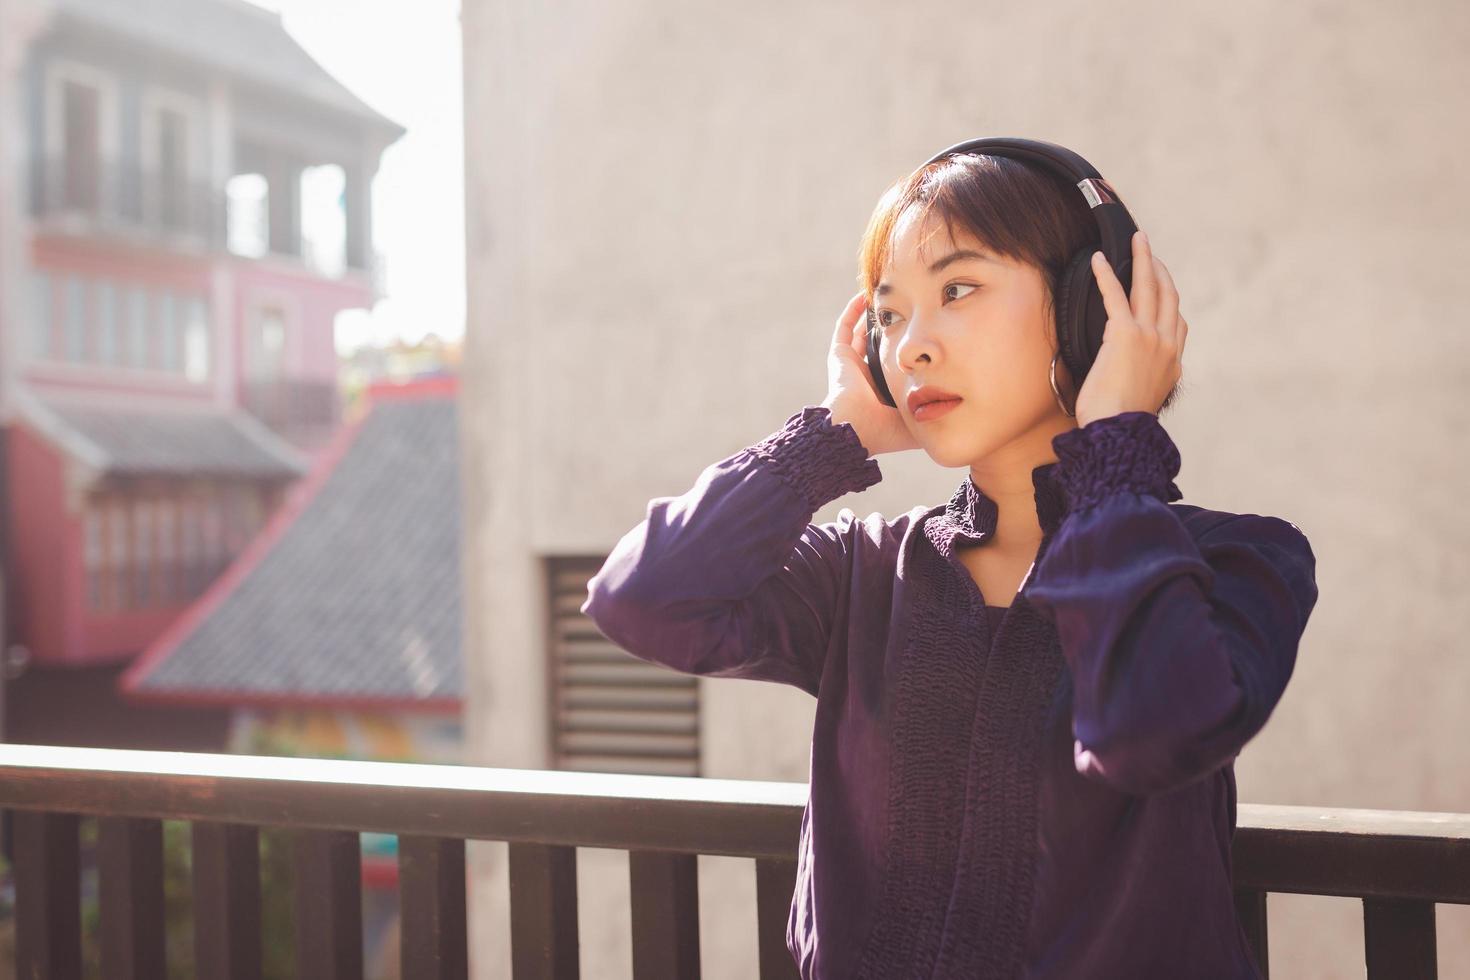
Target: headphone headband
[
  {"x": 1080, "y": 313},
  {"x": 1113, "y": 220}
]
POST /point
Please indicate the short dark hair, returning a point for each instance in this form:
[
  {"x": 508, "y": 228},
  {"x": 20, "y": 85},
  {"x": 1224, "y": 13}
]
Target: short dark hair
[{"x": 1019, "y": 211}]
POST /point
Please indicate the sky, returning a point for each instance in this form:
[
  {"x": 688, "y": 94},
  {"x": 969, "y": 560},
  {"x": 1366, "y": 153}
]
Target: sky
[{"x": 402, "y": 57}]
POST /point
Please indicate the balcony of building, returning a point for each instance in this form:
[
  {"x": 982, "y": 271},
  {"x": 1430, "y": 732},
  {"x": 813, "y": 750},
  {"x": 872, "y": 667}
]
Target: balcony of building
[{"x": 91, "y": 195}]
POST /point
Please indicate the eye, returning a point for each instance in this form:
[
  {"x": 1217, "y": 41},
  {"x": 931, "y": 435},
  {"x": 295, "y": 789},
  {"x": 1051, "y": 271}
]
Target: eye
[{"x": 880, "y": 316}]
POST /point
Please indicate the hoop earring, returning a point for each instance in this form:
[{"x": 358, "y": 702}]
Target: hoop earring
[{"x": 1054, "y": 390}]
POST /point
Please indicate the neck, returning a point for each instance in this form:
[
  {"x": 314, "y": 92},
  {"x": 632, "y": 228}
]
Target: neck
[
  {"x": 1010, "y": 477},
  {"x": 1017, "y": 526}
]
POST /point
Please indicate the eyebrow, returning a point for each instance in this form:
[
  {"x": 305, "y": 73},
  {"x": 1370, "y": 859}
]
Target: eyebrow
[{"x": 941, "y": 263}]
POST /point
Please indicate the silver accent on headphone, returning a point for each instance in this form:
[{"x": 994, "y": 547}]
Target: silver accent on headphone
[{"x": 1097, "y": 191}]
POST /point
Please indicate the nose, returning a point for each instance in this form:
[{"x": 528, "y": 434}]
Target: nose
[{"x": 915, "y": 341}]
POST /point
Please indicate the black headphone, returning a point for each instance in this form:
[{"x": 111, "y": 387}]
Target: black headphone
[{"x": 1081, "y": 315}]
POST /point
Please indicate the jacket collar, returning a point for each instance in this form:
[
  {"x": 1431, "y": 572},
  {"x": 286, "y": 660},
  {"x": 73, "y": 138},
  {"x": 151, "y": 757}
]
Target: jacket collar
[{"x": 972, "y": 514}]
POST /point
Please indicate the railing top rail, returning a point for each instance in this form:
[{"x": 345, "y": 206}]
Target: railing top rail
[
  {"x": 397, "y": 775},
  {"x": 744, "y": 818},
  {"x": 1276, "y": 817}
]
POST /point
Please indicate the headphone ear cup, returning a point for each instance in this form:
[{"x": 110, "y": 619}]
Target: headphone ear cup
[
  {"x": 1079, "y": 326},
  {"x": 875, "y": 362}
]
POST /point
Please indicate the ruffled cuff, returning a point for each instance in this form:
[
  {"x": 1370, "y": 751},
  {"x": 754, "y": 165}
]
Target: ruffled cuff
[
  {"x": 820, "y": 460},
  {"x": 1129, "y": 452}
]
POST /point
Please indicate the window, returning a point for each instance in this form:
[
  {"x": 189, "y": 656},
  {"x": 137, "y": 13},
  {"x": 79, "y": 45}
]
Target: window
[
  {"x": 142, "y": 552},
  {"x": 170, "y": 177},
  {"x": 242, "y": 512},
  {"x": 192, "y": 573},
  {"x": 137, "y": 327},
  {"x": 196, "y": 340},
  {"x": 81, "y": 145},
  {"x": 75, "y": 319},
  {"x": 164, "y": 581},
  {"x": 265, "y": 355},
  {"x": 168, "y": 331},
  {"x": 105, "y": 304},
  {"x": 79, "y": 133},
  {"x": 248, "y": 214},
  {"x": 324, "y": 218},
  {"x": 93, "y": 557},
  {"x": 117, "y": 556},
  {"x": 41, "y": 317},
  {"x": 215, "y": 557}
]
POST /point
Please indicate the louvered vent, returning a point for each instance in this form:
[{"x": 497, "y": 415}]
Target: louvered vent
[{"x": 610, "y": 711}]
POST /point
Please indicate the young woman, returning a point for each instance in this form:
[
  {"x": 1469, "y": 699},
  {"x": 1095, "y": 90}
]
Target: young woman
[{"x": 1029, "y": 698}]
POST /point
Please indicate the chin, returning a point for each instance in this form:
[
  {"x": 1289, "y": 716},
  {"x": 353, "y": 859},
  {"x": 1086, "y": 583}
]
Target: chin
[
  {"x": 950, "y": 453},
  {"x": 964, "y": 446}
]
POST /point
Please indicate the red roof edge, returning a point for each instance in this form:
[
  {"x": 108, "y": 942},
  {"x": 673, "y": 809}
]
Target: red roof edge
[
  {"x": 207, "y": 698},
  {"x": 429, "y": 386},
  {"x": 298, "y": 497}
]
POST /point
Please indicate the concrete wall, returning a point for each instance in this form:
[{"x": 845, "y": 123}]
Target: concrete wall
[{"x": 664, "y": 203}]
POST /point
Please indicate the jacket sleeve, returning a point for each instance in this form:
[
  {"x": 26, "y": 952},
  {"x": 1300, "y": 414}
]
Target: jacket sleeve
[
  {"x": 1180, "y": 643},
  {"x": 730, "y": 579}
]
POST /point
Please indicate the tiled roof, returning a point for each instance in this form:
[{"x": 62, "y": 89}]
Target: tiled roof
[
  {"x": 173, "y": 443},
  {"x": 233, "y": 35},
  {"x": 354, "y": 596}
]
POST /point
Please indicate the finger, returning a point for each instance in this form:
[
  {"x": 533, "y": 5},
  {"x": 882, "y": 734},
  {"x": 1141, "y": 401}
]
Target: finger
[
  {"x": 1143, "y": 293},
  {"x": 860, "y": 335},
  {"x": 843, "y": 334},
  {"x": 1168, "y": 315},
  {"x": 1115, "y": 301}
]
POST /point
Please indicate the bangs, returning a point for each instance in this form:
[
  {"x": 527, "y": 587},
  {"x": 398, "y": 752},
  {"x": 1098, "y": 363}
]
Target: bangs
[{"x": 1013, "y": 210}]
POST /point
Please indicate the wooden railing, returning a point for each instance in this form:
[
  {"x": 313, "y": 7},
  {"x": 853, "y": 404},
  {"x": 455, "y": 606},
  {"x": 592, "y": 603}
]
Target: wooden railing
[{"x": 1399, "y": 863}]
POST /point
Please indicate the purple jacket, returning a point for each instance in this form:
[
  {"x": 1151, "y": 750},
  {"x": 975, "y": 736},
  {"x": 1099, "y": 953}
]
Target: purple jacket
[{"x": 1040, "y": 791}]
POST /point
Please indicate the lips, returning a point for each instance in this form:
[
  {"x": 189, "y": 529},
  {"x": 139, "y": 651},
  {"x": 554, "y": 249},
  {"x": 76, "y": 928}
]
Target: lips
[{"x": 924, "y": 394}]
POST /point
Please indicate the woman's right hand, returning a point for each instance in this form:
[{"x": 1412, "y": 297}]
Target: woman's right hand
[{"x": 851, "y": 395}]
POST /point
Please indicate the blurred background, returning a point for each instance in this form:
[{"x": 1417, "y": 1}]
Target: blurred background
[{"x": 340, "y": 341}]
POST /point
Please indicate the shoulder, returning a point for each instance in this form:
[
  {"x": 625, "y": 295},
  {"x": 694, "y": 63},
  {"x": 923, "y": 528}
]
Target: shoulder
[
  {"x": 1276, "y": 541},
  {"x": 1205, "y": 523},
  {"x": 876, "y": 530},
  {"x": 869, "y": 540}
]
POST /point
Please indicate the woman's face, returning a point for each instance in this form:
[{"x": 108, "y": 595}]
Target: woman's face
[{"x": 955, "y": 315}]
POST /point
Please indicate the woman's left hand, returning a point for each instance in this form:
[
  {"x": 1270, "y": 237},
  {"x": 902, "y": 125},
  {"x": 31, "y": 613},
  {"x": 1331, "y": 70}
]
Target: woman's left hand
[{"x": 1142, "y": 353}]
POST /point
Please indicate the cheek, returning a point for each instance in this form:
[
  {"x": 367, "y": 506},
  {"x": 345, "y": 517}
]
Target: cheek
[
  {"x": 1011, "y": 359},
  {"x": 1009, "y": 379}
]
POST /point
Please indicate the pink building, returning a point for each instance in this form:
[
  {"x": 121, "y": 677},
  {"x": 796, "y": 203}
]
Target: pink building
[{"x": 196, "y": 212}]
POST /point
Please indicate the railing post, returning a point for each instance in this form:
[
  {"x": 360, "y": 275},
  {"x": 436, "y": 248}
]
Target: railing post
[
  {"x": 226, "y": 901},
  {"x": 775, "y": 886},
  {"x": 1250, "y": 908},
  {"x": 431, "y": 889},
  {"x": 130, "y": 886},
  {"x": 1399, "y": 939},
  {"x": 48, "y": 896},
  {"x": 328, "y": 889},
  {"x": 543, "y": 911},
  {"x": 664, "y": 889}
]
